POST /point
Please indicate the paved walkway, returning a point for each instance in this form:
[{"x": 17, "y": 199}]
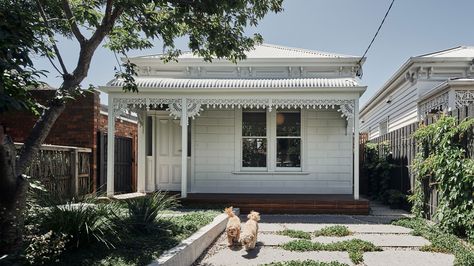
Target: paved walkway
[{"x": 400, "y": 248}]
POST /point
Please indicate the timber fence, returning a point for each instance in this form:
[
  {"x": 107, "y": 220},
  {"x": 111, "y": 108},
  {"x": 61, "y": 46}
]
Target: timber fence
[
  {"x": 63, "y": 170},
  {"x": 403, "y": 149}
]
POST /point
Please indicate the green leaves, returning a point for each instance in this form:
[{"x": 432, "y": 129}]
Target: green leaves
[
  {"x": 355, "y": 247},
  {"x": 442, "y": 163}
]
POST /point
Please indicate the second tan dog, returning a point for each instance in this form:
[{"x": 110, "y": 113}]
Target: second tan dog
[
  {"x": 250, "y": 231},
  {"x": 233, "y": 227}
]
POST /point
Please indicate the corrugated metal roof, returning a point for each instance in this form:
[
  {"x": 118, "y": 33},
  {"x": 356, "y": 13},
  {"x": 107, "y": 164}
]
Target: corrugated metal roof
[
  {"x": 157, "y": 82},
  {"x": 272, "y": 51},
  {"x": 460, "y": 51}
]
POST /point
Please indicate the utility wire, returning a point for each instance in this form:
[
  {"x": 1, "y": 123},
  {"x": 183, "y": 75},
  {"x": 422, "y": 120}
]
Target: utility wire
[{"x": 375, "y": 36}]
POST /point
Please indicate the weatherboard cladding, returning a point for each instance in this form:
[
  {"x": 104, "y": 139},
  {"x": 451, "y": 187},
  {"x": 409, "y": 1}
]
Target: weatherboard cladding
[{"x": 157, "y": 82}]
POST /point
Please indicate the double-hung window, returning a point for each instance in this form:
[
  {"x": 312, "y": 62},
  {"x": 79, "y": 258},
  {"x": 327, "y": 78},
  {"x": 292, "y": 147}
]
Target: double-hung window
[
  {"x": 254, "y": 139},
  {"x": 271, "y": 141},
  {"x": 288, "y": 139}
]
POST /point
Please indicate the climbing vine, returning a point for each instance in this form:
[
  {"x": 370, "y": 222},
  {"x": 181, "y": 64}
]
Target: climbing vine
[{"x": 443, "y": 163}]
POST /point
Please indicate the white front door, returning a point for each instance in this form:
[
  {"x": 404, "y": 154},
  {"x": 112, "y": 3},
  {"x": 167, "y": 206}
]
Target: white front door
[{"x": 168, "y": 149}]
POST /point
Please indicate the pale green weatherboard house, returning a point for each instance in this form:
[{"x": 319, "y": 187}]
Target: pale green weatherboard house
[{"x": 282, "y": 121}]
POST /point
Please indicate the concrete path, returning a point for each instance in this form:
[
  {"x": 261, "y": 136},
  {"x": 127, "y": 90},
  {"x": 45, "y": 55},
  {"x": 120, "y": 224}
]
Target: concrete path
[{"x": 399, "y": 246}]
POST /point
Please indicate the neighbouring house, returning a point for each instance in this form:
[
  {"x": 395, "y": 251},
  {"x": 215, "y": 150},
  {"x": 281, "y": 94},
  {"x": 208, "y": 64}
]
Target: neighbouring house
[
  {"x": 426, "y": 84},
  {"x": 82, "y": 124},
  {"x": 282, "y": 121}
]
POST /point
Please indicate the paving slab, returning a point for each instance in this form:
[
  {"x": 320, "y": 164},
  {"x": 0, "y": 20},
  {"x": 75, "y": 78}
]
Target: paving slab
[
  {"x": 400, "y": 247},
  {"x": 262, "y": 255},
  {"x": 407, "y": 258},
  {"x": 380, "y": 240},
  {"x": 357, "y": 228}
]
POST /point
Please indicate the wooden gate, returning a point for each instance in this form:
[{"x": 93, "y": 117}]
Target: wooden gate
[{"x": 122, "y": 164}]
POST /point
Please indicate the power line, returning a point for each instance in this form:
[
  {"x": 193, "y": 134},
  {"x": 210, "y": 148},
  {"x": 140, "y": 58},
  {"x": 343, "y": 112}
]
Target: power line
[{"x": 375, "y": 36}]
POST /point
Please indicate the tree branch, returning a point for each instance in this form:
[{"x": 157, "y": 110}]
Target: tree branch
[
  {"x": 51, "y": 37},
  {"x": 72, "y": 22},
  {"x": 88, "y": 49}
]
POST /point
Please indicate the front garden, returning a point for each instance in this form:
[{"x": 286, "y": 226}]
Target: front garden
[
  {"x": 443, "y": 173},
  {"x": 90, "y": 232}
]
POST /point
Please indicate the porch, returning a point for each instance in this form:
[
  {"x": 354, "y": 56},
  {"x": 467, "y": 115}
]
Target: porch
[{"x": 284, "y": 203}]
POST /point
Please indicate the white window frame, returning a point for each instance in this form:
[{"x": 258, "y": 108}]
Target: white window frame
[
  {"x": 271, "y": 144},
  {"x": 256, "y": 169},
  {"x": 300, "y": 137}
]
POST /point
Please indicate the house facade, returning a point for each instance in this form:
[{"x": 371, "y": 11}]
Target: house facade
[
  {"x": 282, "y": 121},
  {"x": 426, "y": 84}
]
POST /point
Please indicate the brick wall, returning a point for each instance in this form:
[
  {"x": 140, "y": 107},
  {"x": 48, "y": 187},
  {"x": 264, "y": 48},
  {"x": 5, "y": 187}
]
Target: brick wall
[{"x": 76, "y": 126}]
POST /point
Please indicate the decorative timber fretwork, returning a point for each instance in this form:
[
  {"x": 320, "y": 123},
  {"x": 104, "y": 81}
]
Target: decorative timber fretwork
[
  {"x": 194, "y": 105},
  {"x": 439, "y": 103},
  {"x": 464, "y": 98}
]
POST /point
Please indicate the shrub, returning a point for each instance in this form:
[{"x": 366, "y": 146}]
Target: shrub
[
  {"x": 45, "y": 248},
  {"x": 295, "y": 234},
  {"x": 84, "y": 222},
  {"x": 377, "y": 168},
  {"x": 442, "y": 163},
  {"x": 335, "y": 230},
  {"x": 395, "y": 199},
  {"x": 144, "y": 211}
]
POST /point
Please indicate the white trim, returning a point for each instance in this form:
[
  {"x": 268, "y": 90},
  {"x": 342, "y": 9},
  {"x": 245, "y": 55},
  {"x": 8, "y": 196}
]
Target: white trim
[
  {"x": 184, "y": 149},
  {"x": 356, "y": 152},
  {"x": 154, "y": 152},
  {"x": 237, "y": 139},
  {"x": 270, "y": 173},
  {"x": 141, "y": 153},
  {"x": 110, "y": 149},
  {"x": 120, "y": 117},
  {"x": 271, "y": 147}
]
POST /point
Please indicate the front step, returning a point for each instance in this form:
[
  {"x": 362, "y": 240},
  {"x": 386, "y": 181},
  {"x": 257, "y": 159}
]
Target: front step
[{"x": 284, "y": 204}]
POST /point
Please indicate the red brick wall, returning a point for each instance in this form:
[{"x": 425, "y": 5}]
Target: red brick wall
[{"x": 76, "y": 126}]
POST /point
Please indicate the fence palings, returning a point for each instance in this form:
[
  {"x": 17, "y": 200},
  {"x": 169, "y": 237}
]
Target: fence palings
[
  {"x": 403, "y": 151},
  {"x": 62, "y": 170}
]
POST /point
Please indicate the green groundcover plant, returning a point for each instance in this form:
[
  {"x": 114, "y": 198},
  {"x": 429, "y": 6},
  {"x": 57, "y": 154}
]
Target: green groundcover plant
[
  {"x": 295, "y": 234},
  {"x": 334, "y": 230},
  {"x": 355, "y": 247},
  {"x": 443, "y": 163},
  {"x": 305, "y": 263},
  {"x": 440, "y": 241}
]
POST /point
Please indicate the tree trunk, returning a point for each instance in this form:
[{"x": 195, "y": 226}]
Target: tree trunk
[
  {"x": 14, "y": 187},
  {"x": 38, "y": 134},
  {"x": 13, "y": 191}
]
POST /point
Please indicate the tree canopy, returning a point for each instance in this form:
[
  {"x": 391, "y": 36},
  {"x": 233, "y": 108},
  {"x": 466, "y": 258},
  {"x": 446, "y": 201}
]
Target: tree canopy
[{"x": 215, "y": 29}]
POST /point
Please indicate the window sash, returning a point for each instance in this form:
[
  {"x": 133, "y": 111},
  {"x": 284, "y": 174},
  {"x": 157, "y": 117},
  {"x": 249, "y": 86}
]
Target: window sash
[{"x": 250, "y": 136}]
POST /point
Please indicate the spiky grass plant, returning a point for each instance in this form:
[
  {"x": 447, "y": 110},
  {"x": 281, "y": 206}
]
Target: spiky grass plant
[
  {"x": 143, "y": 212},
  {"x": 84, "y": 222}
]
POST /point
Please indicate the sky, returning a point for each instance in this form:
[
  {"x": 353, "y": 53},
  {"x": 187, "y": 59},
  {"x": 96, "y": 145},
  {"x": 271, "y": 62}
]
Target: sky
[{"x": 413, "y": 27}]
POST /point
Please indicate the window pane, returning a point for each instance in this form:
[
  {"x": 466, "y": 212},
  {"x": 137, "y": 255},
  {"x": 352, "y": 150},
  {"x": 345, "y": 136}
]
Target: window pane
[
  {"x": 254, "y": 152},
  {"x": 288, "y": 152},
  {"x": 288, "y": 124},
  {"x": 254, "y": 124}
]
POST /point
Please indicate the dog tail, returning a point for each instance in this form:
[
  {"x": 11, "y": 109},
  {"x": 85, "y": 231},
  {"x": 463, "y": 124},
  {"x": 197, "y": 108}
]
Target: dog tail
[
  {"x": 253, "y": 215},
  {"x": 229, "y": 211}
]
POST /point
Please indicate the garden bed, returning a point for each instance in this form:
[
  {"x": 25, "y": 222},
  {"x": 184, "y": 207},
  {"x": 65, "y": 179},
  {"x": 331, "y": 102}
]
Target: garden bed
[{"x": 116, "y": 233}]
